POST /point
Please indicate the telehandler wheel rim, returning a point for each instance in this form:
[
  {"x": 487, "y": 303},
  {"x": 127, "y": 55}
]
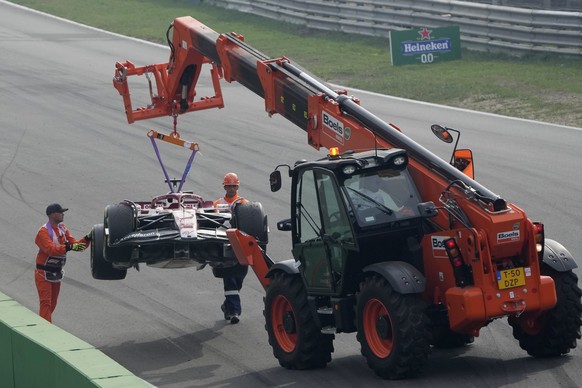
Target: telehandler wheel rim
[
  {"x": 378, "y": 328},
  {"x": 283, "y": 323}
]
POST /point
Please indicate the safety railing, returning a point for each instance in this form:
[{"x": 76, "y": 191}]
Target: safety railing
[
  {"x": 483, "y": 27},
  {"x": 553, "y": 5}
]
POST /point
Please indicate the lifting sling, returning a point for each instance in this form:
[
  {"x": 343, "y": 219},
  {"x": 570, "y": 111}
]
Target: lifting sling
[{"x": 173, "y": 138}]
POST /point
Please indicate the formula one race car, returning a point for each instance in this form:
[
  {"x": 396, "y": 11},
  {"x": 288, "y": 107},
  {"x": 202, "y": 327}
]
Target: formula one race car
[{"x": 173, "y": 230}]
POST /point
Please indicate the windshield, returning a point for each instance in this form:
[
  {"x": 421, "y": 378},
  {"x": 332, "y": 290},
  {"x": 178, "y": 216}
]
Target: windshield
[{"x": 381, "y": 196}]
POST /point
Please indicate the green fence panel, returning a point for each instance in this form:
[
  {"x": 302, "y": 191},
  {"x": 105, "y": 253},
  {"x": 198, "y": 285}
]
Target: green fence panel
[
  {"x": 4, "y": 297},
  {"x": 59, "y": 359},
  {"x": 36, "y": 348},
  {"x": 6, "y": 365},
  {"x": 92, "y": 365},
  {"x": 36, "y": 353},
  {"x": 122, "y": 382},
  {"x": 18, "y": 315}
]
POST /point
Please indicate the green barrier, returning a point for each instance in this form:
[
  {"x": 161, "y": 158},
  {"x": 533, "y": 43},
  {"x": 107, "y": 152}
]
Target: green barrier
[
  {"x": 35, "y": 353},
  {"x": 6, "y": 298},
  {"x": 6, "y": 365}
]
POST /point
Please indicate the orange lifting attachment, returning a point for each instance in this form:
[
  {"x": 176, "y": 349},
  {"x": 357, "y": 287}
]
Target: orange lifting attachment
[{"x": 175, "y": 95}]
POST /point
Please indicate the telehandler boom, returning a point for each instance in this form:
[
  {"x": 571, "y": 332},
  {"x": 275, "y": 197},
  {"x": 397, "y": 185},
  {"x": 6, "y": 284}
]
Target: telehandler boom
[{"x": 393, "y": 267}]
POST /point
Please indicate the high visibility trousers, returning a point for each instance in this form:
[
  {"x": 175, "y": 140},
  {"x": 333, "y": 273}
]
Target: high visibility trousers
[{"x": 48, "y": 294}]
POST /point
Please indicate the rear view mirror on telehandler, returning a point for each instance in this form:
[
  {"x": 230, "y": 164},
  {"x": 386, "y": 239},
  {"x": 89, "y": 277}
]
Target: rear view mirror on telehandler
[
  {"x": 275, "y": 180},
  {"x": 461, "y": 159}
]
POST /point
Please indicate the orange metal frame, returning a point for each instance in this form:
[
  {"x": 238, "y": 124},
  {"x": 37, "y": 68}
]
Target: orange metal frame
[{"x": 166, "y": 102}]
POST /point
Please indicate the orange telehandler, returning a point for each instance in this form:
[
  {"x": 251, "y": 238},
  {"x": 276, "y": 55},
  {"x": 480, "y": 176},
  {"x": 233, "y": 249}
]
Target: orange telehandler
[{"x": 373, "y": 254}]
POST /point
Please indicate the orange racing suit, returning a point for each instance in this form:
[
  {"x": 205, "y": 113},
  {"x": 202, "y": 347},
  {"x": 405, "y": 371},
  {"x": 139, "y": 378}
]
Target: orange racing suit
[{"x": 50, "y": 260}]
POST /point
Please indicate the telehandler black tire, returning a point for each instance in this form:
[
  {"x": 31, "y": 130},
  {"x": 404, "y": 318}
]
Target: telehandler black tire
[
  {"x": 101, "y": 269},
  {"x": 393, "y": 329},
  {"x": 555, "y": 332},
  {"x": 296, "y": 340}
]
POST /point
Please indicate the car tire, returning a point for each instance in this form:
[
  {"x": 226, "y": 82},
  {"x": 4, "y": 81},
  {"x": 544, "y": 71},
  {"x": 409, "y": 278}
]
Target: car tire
[
  {"x": 100, "y": 268},
  {"x": 120, "y": 220},
  {"x": 250, "y": 217}
]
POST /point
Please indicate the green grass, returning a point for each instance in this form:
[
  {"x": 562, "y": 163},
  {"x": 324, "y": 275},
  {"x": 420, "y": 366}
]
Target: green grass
[{"x": 539, "y": 87}]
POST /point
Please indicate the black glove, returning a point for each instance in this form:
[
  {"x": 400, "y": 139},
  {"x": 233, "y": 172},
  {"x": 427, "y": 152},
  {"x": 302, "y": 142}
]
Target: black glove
[
  {"x": 68, "y": 246},
  {"x": 88, "y": 237}
]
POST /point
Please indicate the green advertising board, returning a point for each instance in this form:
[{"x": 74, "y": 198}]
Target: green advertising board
[{"x": 425, "y": 46}]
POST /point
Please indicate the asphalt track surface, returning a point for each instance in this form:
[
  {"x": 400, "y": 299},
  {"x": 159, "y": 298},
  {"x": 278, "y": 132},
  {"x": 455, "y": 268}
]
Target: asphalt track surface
[{"x": 65, "y": 139}]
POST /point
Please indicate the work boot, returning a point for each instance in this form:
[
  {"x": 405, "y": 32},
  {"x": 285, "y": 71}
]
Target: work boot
[{"x": 234, "y": 318}]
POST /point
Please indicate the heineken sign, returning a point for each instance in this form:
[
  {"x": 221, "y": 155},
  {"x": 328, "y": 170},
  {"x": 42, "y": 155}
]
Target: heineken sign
[{"x": 424, "y": 45}]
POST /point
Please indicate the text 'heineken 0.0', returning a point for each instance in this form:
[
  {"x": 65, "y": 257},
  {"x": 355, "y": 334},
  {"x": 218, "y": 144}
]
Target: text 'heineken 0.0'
[{"x": 424, "y": 45}]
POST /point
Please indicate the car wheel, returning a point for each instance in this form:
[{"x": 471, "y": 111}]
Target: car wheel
[
  {"x": 250, "y": 217},
  {"x": 120, "y": 221},
  {"x": 100, "y": 268}
]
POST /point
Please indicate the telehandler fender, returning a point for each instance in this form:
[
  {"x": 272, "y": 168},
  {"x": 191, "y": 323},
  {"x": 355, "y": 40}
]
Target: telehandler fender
[
  {"x": 557, "y": 257},
  {"x": 403, "y": 277},
  {"x": 287, "y": 266}
]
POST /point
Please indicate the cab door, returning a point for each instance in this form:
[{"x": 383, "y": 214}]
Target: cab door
[{"x": 322, "y": 235}]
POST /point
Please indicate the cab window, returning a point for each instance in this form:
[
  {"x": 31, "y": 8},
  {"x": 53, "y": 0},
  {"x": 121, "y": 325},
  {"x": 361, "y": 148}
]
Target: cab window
[
  {"x": 382, "y": 195},
  {"x": 320, "y": 210}
]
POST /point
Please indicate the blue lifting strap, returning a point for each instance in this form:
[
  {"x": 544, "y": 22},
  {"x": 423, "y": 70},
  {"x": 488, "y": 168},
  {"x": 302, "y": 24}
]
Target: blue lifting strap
[{"x": 174, "y": 138}]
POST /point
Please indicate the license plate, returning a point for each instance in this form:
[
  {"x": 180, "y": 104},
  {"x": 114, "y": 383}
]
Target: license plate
[{"x": 510, "y": 278}]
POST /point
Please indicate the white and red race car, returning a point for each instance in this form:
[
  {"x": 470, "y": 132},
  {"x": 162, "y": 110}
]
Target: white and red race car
[{"x": 173, "y": 230}]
